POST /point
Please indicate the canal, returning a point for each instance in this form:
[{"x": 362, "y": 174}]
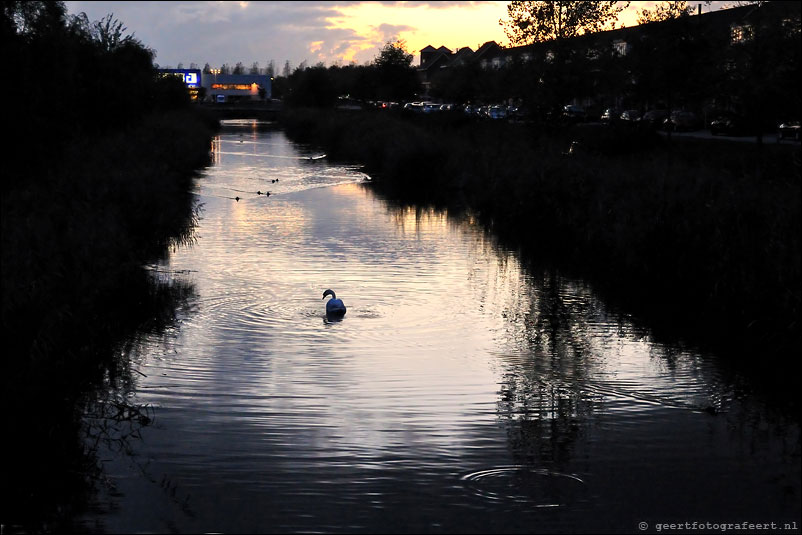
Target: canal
[{"x": 463, "y": 391}]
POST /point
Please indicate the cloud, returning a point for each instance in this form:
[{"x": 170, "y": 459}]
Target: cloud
[
  {"x": 332, "y": 32},
  {"x": 391, "y": 32},
  {"x": 228, "y": 32}
]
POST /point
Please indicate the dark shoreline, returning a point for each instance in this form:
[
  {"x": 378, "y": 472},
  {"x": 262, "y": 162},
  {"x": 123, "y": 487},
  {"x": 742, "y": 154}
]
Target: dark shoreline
[
  {"x": 75, "y": 287},
  {"x": 701, "y": 238}
]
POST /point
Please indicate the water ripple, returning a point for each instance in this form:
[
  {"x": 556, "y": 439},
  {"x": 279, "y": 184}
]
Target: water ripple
[
  {"x": 452, "y": 356},
  {"x": 536, "y": 487}
]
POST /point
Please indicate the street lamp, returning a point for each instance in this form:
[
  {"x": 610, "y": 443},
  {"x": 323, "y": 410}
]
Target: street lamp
[{"x": 215, "y": 72}]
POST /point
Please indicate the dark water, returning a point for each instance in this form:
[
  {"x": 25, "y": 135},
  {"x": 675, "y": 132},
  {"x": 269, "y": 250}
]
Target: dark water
[{"x": 460, "y": 393}]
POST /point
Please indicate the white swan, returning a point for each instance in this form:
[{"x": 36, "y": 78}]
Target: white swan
[{"x": 334, "y": 306}]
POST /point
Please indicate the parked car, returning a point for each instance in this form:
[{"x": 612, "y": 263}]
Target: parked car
[
  {"x": 610, "y": 116},
  {"x": 630, "y": 116},
  {"x": 654, "y": 118},
  {"x": 572, "y": 112},
  {"x": 788, "y": 129},
  {"x": 497, "y": 112},
  {"x": 429, "y": 107},
  {"x": 730, "y": 124},
  {"x": 415, "y": 107},
  {"x": 682, "y": 121}
]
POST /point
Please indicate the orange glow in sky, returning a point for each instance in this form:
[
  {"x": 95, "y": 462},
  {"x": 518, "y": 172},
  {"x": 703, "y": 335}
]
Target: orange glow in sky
[
  {"x": 421, "y": 25},
  {"x": 454, "y": 25},
  {"x": 312, "y": 32}
]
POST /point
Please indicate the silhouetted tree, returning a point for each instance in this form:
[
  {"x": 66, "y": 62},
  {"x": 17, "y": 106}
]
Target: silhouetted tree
[
  {"x": 531, "y": 22},
  {"x": 396, "y": 79},
  {"x": 393, "y": 55},
  {"x": 311, "y": 86},
  {"x": 762, "y": 64},
  {"x": 665, "y": 11},
  {"x": 560, "y": 68},
  {"x": 110, "y": 34}
]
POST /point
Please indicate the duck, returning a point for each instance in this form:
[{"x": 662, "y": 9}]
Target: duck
[{"x": 334, "y": 307}]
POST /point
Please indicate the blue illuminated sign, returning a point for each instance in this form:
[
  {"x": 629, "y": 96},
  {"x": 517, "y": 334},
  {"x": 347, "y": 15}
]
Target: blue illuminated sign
[{"x": 190, "y": 77}]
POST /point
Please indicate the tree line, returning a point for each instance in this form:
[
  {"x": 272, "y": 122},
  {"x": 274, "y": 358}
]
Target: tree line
[
  {"x": 673, "y": 60},
  {"x": 389, "y": 76},
  {"x": 98, "y": 79}
]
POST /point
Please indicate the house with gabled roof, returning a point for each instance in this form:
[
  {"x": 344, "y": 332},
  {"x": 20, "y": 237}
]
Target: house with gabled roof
[
  {"x": 461, "y": 56},
  {"x": 725, "y": 29},
  {"x": 431, "y": 61},
  {"x": 489, "y": 55}
]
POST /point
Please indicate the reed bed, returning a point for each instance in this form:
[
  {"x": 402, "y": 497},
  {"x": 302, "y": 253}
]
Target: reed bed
[{"x": 703, "y": 236}]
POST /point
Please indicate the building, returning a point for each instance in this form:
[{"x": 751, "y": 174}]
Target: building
[
  {"x": 434, "y": 60},
  {"x": 612, "y": 70},
  {"x": 215, "y": 87},
  {"x": 236, "y": 87}
]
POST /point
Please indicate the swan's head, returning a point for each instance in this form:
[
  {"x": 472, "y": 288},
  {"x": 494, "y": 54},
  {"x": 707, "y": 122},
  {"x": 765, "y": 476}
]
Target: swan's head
[{"x": 329, "y": 292}]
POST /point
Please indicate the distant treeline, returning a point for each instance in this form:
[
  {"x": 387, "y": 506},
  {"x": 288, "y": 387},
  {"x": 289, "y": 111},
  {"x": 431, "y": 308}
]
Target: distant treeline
[
  {"x": 99, "y": 158},
  {"x": 701, "y": 236},
  {"x": 390, "y": 76}
]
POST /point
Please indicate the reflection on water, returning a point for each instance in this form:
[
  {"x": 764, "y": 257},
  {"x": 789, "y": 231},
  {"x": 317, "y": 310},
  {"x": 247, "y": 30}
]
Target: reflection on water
[{"x": 461, "y": 392}]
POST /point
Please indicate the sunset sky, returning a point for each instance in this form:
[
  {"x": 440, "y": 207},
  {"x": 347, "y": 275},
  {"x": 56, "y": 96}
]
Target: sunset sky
[{"x": 328, "y": 32}]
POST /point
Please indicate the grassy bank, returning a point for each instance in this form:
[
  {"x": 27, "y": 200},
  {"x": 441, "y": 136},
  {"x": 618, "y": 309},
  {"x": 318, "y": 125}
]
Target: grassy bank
[
  {"x": 74, "y": 241},
  {"x": 702, "y": 237}
]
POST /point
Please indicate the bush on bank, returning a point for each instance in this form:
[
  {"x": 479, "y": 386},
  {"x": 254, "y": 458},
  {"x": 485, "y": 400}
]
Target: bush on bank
[
  {"x": 96, "y": 179},
  {"x": 701, "y": 234},
  {"x": 73, "y": 279},
  {"x": 97, "y": 182}
]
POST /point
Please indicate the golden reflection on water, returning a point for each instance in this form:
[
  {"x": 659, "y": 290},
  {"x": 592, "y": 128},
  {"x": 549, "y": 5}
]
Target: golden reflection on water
[
  {"x": 428, "y": 294},
  {"x": 454, "y": 363}
]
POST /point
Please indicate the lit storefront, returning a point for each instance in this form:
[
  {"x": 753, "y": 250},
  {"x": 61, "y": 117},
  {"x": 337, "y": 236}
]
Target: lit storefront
[
  {"x": 222, "y": 87},
  {"x": 236, "y": 87}
]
